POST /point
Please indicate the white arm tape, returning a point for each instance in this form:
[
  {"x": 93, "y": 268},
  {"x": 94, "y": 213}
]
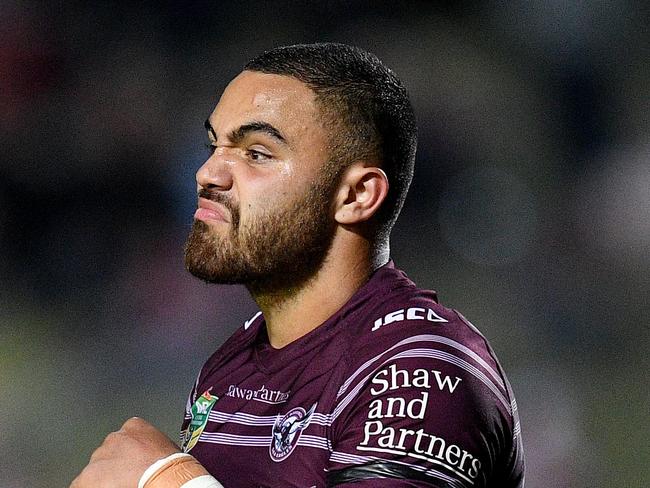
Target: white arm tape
[
  {"x": 205, "y": 481},
  {"x": 149, "y": 472}
]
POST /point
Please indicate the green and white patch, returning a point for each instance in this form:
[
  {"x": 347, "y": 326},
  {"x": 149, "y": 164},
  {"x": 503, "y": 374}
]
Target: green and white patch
[{"x": 200, "y": 413}]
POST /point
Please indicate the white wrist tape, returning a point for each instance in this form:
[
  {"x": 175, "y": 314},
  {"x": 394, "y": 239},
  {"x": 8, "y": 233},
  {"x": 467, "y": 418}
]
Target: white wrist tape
[
  {"x": 206, "y": 481},
  {"x": 149, "y": 472},
  {"x": 202, "y": 481}
]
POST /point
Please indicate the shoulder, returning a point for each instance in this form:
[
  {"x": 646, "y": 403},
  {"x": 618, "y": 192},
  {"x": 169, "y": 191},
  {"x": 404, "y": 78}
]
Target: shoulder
[
  {"x": 405, "y": 321},
  {"x": 407, "y": 330},
  {"x": 412, "y": 330},
  {"x": 423, "y": 382}
]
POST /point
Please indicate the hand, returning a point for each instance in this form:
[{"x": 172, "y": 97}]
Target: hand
[{"x": 124, "y": 456}]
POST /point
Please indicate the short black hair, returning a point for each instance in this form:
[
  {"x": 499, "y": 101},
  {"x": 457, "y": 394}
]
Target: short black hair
[{"x": 367, "y": 105}]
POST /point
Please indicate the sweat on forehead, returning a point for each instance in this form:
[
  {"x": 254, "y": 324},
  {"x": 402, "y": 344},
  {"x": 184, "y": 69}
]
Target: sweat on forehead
[{"x": 278, "y": 106}]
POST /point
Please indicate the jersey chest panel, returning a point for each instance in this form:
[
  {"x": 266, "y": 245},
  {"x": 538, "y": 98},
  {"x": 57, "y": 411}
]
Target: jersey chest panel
[{"x": 268, "y": 429}]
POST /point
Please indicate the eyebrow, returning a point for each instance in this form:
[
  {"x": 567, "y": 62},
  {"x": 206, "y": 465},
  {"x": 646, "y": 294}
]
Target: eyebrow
[{"x": 240, "y": 133}]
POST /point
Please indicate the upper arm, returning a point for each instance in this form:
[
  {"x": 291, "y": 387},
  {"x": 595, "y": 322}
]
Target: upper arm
[{"x": 432, "y": 412}]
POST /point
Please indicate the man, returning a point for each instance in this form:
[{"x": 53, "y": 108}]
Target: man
[{"x": 349, "y": 375}]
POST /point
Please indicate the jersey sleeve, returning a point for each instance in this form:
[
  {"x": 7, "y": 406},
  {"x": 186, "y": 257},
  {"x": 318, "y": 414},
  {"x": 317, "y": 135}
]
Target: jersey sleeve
[{"x": 428, "y": 410}]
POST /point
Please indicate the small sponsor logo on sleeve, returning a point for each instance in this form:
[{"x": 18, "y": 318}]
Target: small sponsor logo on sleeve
[{"x": 412, "y": 313}]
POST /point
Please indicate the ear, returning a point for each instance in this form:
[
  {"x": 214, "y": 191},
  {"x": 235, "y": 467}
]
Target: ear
[{"x": 362, "y": 191}]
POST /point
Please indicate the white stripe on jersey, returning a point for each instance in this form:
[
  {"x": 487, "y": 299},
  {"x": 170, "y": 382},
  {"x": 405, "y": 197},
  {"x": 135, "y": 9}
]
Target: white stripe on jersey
[
  {"x": 241, "y": 418},
  {"x": 234, "y": 439},
  {"x": 450, "y": 358},
  {"x": 261, "y": 440},
  {"x": 250, "y": 419},
  {"x": 321, "y": 419},
  {"x": 326, "y": 419},
  {"x": 426, "y": 338},
  {"x": 315, "y": 441},
  {"x": 345, "y": 458},
  {"x": 432, "y": 353}
]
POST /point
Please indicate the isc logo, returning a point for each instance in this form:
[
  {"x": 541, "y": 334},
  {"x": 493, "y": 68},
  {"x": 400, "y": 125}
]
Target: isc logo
[{"x": 413, "y": 313}]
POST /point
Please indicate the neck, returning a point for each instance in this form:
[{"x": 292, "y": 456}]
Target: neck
[{"x": 292, "y": 312}]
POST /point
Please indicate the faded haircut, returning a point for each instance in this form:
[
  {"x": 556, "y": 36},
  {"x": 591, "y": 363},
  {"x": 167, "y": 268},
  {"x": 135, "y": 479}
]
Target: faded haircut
[{"x": 365, "y": 105}]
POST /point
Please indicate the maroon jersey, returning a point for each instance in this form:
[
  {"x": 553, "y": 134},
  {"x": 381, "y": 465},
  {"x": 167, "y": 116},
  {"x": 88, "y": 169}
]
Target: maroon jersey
[{"x": 392, "y": 390}]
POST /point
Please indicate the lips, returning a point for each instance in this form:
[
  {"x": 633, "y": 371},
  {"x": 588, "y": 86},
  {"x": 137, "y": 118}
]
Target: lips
[{"x": 210, "y": 211}]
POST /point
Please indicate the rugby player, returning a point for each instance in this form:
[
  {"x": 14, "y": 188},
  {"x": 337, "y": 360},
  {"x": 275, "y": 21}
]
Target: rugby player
[{"x": 349, "y": 374}]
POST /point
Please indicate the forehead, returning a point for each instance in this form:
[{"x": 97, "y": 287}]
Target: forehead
[{"x": 282, "y": 101}]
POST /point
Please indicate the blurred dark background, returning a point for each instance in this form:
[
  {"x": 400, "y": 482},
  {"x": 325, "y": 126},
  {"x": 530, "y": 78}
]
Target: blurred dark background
[{"x": 529, "y": 212}]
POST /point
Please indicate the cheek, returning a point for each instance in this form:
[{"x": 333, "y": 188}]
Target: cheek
[
  {"x": 287, "y": 170},
  {"x": 270, "y": 190}
]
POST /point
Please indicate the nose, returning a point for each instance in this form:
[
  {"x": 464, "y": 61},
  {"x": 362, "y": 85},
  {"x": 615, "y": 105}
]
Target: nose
[{"x": 215, "y": 173}]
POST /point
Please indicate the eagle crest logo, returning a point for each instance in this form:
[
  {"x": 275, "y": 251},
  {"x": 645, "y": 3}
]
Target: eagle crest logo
[{"x": 287, "y": 430}]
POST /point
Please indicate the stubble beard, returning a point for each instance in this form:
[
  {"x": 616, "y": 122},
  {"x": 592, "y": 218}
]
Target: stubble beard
[{"x": 277, "y": 251}]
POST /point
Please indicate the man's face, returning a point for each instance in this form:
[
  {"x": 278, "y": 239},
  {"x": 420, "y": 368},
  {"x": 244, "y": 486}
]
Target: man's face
[{"x": 264, "y": 216}]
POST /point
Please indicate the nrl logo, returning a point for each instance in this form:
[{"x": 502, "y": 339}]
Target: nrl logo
[
  {"x": 200, "y": 414},
  {"x": 287, "y": 430}
]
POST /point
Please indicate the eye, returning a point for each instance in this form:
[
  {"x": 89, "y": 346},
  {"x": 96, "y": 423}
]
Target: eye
[{"x": 257, "y": 155}]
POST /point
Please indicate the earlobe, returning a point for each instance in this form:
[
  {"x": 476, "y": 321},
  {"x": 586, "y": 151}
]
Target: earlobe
[{"x": 362, "y": 192}]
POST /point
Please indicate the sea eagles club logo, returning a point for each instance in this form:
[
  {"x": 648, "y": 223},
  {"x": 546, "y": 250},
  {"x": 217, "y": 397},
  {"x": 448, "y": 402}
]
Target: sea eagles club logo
[{"x": 287, "y": 430}]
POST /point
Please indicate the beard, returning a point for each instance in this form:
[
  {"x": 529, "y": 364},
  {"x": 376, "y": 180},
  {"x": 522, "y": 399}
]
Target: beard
[{"x": 280, "y": 249}]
